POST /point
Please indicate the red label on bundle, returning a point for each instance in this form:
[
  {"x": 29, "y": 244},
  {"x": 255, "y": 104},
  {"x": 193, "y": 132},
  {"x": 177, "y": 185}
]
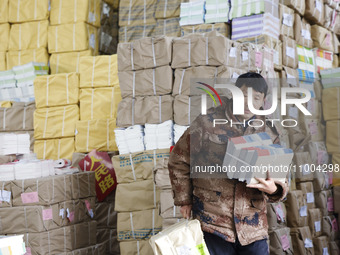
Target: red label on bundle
[{"x": 101, "y": 164}]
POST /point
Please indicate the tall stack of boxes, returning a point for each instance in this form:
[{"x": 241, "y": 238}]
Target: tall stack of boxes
[
  {"x": 99, "y": 97},
  {"x": 73, "y": 33},
  {"x": 28, "y": 33},
  {"x": 53, "y": 213},
  {"x": 56, "y": 115}
]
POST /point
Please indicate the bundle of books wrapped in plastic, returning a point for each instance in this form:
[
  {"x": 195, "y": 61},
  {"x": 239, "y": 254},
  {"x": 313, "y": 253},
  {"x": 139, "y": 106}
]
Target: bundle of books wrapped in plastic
[{"x": 256, "y": 156}]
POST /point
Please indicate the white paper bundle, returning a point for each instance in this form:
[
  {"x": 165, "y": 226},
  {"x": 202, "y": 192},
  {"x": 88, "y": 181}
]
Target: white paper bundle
[
  {"x": 7, "y": 79},
  {"x": 14, "y": 143},
  {"x": 217, "y": 11},
  {"x": 158, "y": 136},
  {"x": 7, "y": 172},
  {"x": 22, "y": 94},
  {"x": 25, "y": 74},
  {"x": 130, "y": 140},
  {"x": 192, "y": 13},
  {"x": 33, "y": 169},
  {"x": 179, "y": 131},
  {"x": 12, "y": 245}
]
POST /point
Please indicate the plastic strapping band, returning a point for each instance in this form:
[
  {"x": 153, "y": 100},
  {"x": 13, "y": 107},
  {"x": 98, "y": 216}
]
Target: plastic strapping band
[
  {"x": 88, "y": 135},
  {"x": 25, "y": 219},
  {"x": 129, "y": 16},
  {"x": 165, "y": 7},
  {"x": 153, "y": 52},
  {"x": 133, "y": 169},
  {"x": 92, "y": 96},
  {"x": 74, "y": 36},
  {"x": 67, "y": 96},
  {"x": 109, "y": 74},
  {"x": 64, "y": 239},
  {"x": 132, "y": 229},
  {"x": 138, "y": 248},
  {"x": 44, "y": 155},
  {"x": 189, "y": 53},
  {"x": 35, "y": 9},
  {"x": 38, "y": 37},
  {"x": 107, "y": 134},
  {"x": 132, "y": 64},
  {"x": 207, "y": 50},
  {"x": 4, "y": 120},
  {"x": 45, "y": 127},
  {"x": 18, "y": 11},
  {"x": 164, "y": 27},
  {"x": 154, "y": 81},
  {"x": 189, "y": 117},
  {"x": 47, "y": 88},
  {"x": 144, "y": 12},
  {"x": 20, "y": 37},
  {"x": 56, "y": 38},
  {"x": 160, "y": 108},
  {"x": 181, "y": 83},
  {"x": 153, "y": 222},
  {"x": 154, "y": 195},
  {"x": 133, "y": 83},
  {"x": 93, "y": 64},
  {"x": 60, "y": 5},
  {"x": 154, "y": 159},
  {"x": 125, "y": 35},
  {"x": 63, "y": 124},
  {"x": 174, "y": 211},
  {"x": 133, "y": 112}
]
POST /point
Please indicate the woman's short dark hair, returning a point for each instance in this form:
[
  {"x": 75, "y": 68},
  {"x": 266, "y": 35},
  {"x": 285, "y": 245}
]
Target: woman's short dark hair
[{"x": 253, "y": 80}]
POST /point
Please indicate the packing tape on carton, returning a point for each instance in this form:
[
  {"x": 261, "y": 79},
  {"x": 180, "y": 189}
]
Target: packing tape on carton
[
  {"x": 132, "y": 168},
  {"x": 153, "y": 81},
  {"x": 181, "y": 83},
  {"x": 189, "y": 52}
]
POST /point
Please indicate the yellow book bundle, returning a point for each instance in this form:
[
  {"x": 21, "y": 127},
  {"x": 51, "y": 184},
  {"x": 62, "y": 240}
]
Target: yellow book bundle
[
  {"x": 99, "y": 71},
  {"x": 99, "y": 103},
  {"x": 95, "y": 134},
  {"x": 18, "y": 58},
  {"x": 27, "y": 10},
  {"x": 67, "y": 62},
  {"x": 55, "y": 122},
  {"x": 54, "y": 148},
  {"x": 4, "y": 35},
  {"x": 56, "y": 90}
]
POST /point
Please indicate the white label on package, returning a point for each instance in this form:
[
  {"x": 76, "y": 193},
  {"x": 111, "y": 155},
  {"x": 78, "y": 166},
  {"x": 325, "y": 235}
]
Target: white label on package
[
  {"x": 310, "y": 197},
  {"x": 183, "y": 250},
  {"x": 62, "y": 213},
  {"x": 293, "y": 112},
  {"x": 290, "y": 52},
  {"x": 325, "y": 251},
  {"x": 91, "y": 213},
  {"x": 5, "y": 196},
  {"x": 303, "y": 211},
  {"x": 244, "y": 55},
  {"x": 308, "y": 243},
  {"x": 307, "y": 35},
  {"x": 318, "y": 5},
  {"x": 232, "y": 52},
  {"x": 287, "y": 19},
  {"x": 317, "y": 226}
]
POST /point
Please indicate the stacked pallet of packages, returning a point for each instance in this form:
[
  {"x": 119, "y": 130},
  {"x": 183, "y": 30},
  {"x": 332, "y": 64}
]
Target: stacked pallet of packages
[
  {"x": 53, "y": 213},
  {"x": 99, "y": 97},
  {"x": 137, "y": 200},
  {"x": 73, "y": 33},
  {"x": 56, "y": 115},
  {"x": 139, "y": 19},
  {"x": 27, "y": 35}
]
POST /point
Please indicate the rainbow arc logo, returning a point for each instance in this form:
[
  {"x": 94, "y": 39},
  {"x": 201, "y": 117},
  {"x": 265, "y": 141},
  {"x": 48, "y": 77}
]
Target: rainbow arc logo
[{"x": 209, "y": 93}]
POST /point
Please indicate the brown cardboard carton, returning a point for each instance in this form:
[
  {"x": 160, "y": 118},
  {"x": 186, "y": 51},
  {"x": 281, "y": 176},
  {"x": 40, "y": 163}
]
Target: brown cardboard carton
[
  {"x": 297, "y": 208},
  {"x": 167, "y": 207},
  {"x": 286, "y": 21},
  {"x": 161, "y": 174},
  {"x": 19, "y": 117},
  {"x": 321, "y": 246},
  {"x": 308, "y": 193},
  {"x": 322, "y": 38},
  {"x": 329, "y": 227},
  {"x": 276, "y": 215},
  {"x": 324, "y": 200},
  {"x": 298, "y": 5},
  {"x": 302, "y": 32},
  {"x": 315, "y": 221},
  {"x": 138, "y": 225},
  {"x": 289, "y": 52},
  {"x": 142, "y": 195},
  {"x": 109, "y": 238},
  {"x": 315, "y": 11},
  {"x": 83, "y": 185},
  {"x": 280, "y": 242},
  {"x": 302, "y": 240}
]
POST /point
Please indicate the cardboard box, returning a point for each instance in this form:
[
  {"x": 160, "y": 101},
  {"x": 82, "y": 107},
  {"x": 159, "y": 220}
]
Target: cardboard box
[
  {"x": 280, "y": 241},
  {"x": 55, "y": 122},
  {"x": 315, "y": 11},
  {"x": 332, "y": 136},
  {"x": 302, "y": 240},
  {"x": 64, "y": 12},
  {"x": 147, "y": 82},
  {"x": 286, "y": 21},
  {"x": 135, "y": 247},
  {"x": 146, "y": 53},
  {"x": 322, "y": 38},
  {"x": 297, "y": 207},
  {"x": 315, "y": 221},
  {"x": 55, "y": 148},
  {"x": 138, "y": 225},
  {"x": 24, "y": 11},
  {"x": 302, "y": 31},
  {"x": 4, "y": 33},
  {"x": 67, "y": 62},
  {"x": 95, "y": 134},
  {"x": 30, "y": 35},
  {"x": 141, "y": 110},
  {"x": 6, "y": 194},
  {"x": 161, "y": 174},
  {"x": 321, "y": 181},
  {"x": 289, "y": 52},
  {"x": 321, "y": 245},
  {"x": 17, "y": 58},
  {"x": 318, "y": 152},
  {"x": 325, "y": 201},
  {"x": 167, "y": 206},
  {"x": 276, "y": 215},
  {"x": 106, "y": 216},
  {"x": 249, "y": 57},
  {"x": 62, "y": 240},
  {"x": 137, "y": 12},
  {"x": 142, "y": 195},
  {"x": 99, "y": 248},
  {"x": 56, "y": 90},
  {"x": 138, "y": 166},
  {"x": 83, "y": 185},
  {"x": 308, "y": 193},
  {"x": 72, "y": 37},
  {"x": 222, "y": 28},
  {"x": 99, "y": 103},
  {"x": 99, "y": 71},
  {"x": 19, "y": 117},
  {"x": 329, "y": 227}
]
